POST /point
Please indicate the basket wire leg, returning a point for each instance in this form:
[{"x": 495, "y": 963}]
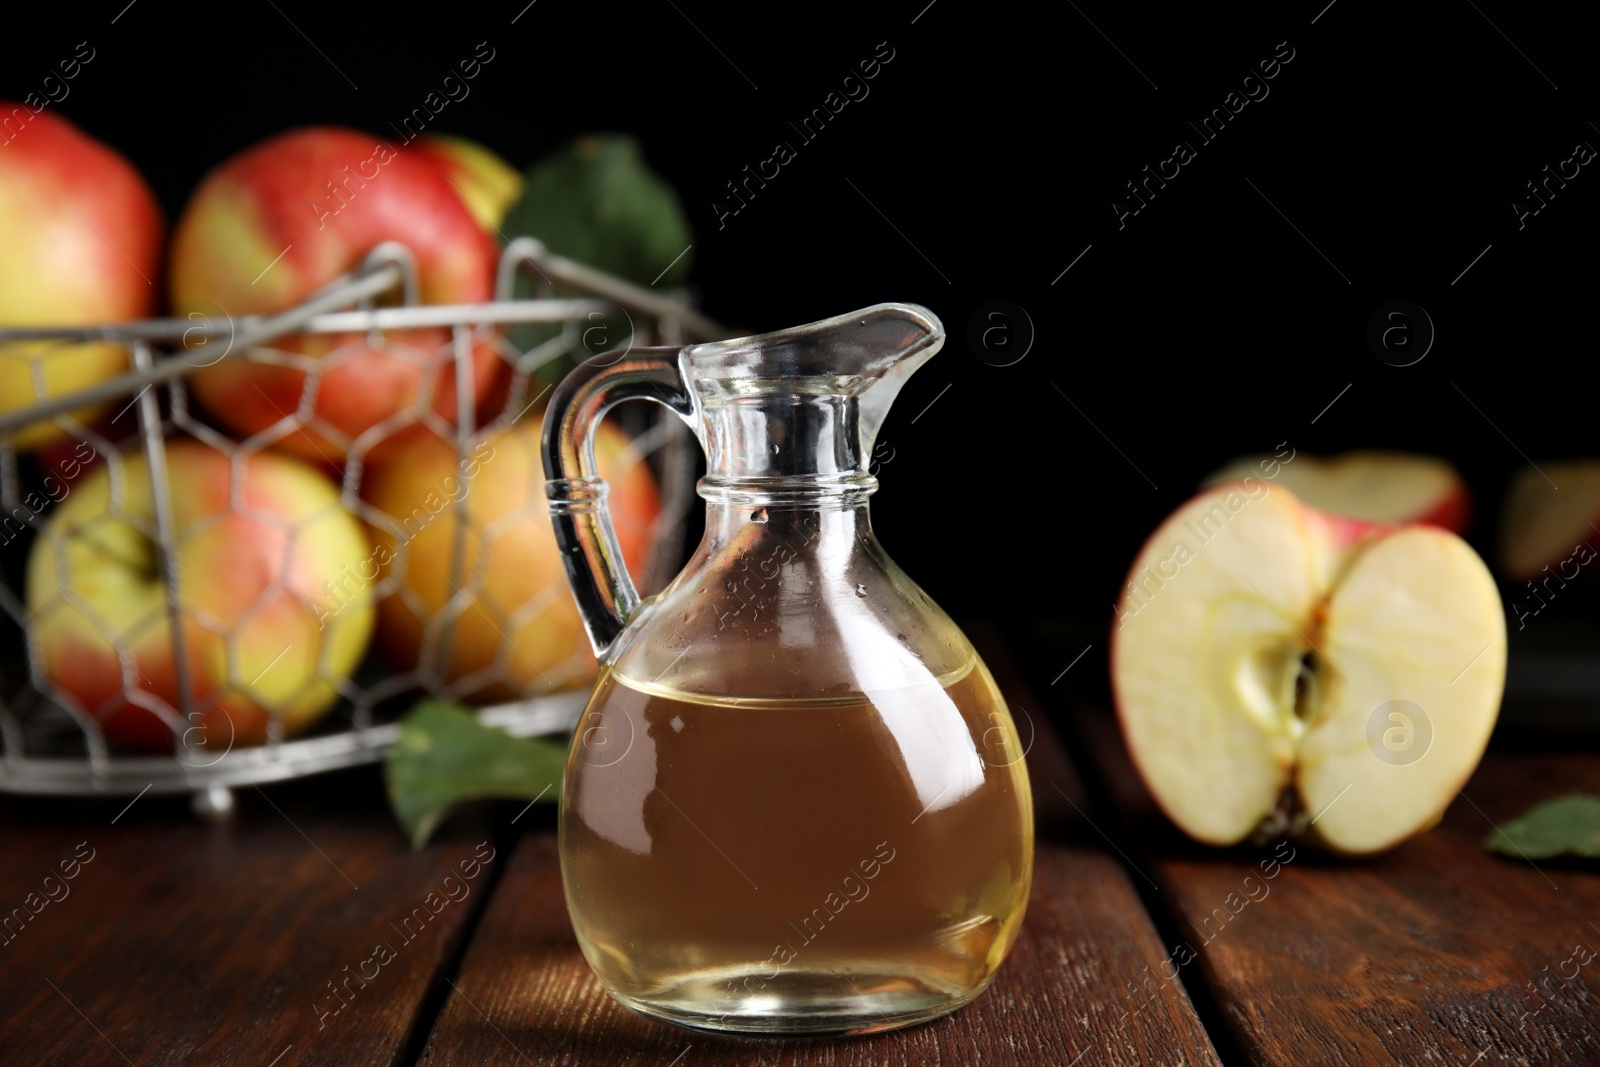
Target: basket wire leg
[
  {"x": 463, "y": 357},
  {"x": 155, "y": 451},
  {"x": 214, "y": 803}
]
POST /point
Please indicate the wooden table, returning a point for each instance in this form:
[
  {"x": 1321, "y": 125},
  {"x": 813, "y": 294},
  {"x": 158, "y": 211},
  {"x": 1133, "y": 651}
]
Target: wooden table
[{"x": 257, "y": 942}]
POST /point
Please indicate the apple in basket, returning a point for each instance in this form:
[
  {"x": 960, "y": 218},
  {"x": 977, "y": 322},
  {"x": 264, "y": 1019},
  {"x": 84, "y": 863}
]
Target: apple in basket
[
  {"x": 260, "y": 540},
  {"x": 80, "y": 243},
  {"x": 487, "y": 184},
  {"x": 279, "y": 221},
  {"x": 513, "y": 628}
]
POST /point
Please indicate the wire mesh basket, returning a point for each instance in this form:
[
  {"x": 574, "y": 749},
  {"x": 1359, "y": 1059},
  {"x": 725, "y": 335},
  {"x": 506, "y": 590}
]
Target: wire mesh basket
[{"x": 152, "y": 516}]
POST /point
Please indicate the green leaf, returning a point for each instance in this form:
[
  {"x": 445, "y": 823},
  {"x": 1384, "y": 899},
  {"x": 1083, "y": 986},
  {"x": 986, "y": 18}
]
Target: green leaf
[
  {"x": 1568, "y": 825},
  {"x": 598, "y": 202},
  {"x": 445, "y": 755}
]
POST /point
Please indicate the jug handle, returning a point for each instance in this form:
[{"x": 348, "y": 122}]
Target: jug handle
[{"x": 587, "y": 540}]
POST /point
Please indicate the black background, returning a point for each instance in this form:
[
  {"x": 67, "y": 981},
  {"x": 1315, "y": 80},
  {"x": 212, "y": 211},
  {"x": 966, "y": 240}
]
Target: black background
[{"x": 983, "y": 163}]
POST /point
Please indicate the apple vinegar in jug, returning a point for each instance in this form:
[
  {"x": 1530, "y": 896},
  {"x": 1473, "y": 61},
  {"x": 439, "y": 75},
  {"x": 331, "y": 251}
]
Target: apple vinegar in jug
[{"x": 739, "y": 855}]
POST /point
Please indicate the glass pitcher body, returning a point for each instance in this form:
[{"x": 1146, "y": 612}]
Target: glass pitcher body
[{"x": 796, "y": 801}]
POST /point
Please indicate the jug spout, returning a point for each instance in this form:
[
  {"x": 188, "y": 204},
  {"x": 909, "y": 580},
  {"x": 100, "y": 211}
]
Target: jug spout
[
  {"x": 919, "y": 335},
  {"x": 804, "y": 405}
]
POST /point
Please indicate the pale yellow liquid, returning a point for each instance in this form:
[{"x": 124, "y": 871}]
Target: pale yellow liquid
[{"x": 717, "y": 853}]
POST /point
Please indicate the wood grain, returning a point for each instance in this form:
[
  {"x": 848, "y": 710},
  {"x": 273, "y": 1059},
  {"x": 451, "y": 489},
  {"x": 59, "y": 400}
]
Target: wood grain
[
  {"x": 1436, "y": 952},
  {"x": 179, "y": 942},
  {"x": 1074, "y": 989}
]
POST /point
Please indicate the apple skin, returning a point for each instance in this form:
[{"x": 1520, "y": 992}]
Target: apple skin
[
  {"x": 1434, "y": 491},
  {"x": 322, "y": 198},
  {"x": 86, "y": 251},
  {"x": 487, "y": 184},
  {"x": 517, "y": 605},
  {"x": 1454, "y": 513},
  {"x": 70, "y": 458},
  {"x": 1544, "y": 531},
  {"x": 256, "y": 574}
]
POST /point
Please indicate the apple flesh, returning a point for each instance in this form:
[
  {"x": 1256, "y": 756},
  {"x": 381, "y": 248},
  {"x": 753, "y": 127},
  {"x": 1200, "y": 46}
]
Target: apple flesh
[
  {"x": 1279, "y": 669},
  {"x": 281, "y": 220},
  {"x": 257, "y": 627},
  {"x": 80, "y": 243},
  {"x": 1371, "y": 485},
  {"x": 514, "y": 627},
  {"x": 1544, "y": 531}
]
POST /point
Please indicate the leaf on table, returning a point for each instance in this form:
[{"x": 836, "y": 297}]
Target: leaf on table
[
  {"x": 1568, "y": 825},
  {"x": 444, "y": 755}
]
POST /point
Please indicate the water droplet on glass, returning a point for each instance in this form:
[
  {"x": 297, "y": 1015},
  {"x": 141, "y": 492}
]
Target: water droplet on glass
[
  {"x": 774, "y": 450},
  {"x": 758, "y": 515},
  {"x": 861, "y": 590}
]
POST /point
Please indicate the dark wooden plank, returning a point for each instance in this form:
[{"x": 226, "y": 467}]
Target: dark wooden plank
[
  {"x": 1436, "y": 952},
  {"x": 1075, "y": 988},
  {"x": 178, "y": 942}
]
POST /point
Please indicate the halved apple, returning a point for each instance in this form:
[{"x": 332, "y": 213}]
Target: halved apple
[
  {"x": 1373, "y": 485},
  {"x": 1281, "y": 670},
  {"x": 1551, "y": 516}
]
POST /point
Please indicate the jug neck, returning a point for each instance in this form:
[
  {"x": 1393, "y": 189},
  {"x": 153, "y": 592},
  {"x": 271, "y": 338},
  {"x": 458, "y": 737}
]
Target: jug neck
[
  {"x": 821, "y": 537},
  {"x": 837, "y": 516},
  {"x": 790, "y": 449},
  {"x": 793, "y": 415}
]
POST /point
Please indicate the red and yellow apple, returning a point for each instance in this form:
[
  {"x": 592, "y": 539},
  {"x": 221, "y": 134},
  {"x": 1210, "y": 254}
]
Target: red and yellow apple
[
  {"x": 1551, "y": 520},
  {"x": 1278, "y": 669},
  {"x": 259, "y": 626},
  {"x": 281, "y": 220},
  {"x": 80, "y": 243},
  {"x": 1372, "y": 485},
  {"x": 487, "y": 184},
  {"x": 514, "y": 627}
]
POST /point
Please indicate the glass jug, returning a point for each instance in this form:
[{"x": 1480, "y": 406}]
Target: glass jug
[{"x": 796, "y": 801}]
